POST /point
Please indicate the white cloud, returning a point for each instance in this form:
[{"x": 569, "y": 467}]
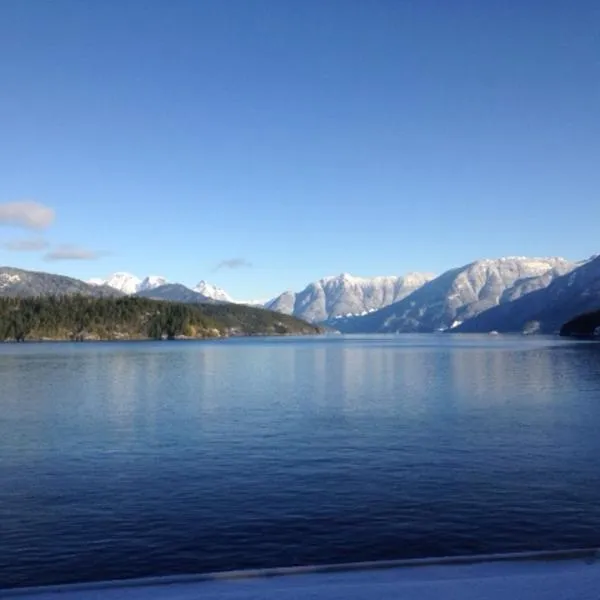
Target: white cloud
[
  {"x": 233, "y": 263},
  {"x": 71, "y": 252},
  {"x": 27, "y": 214},
  {"x": 26, "y": 245}
]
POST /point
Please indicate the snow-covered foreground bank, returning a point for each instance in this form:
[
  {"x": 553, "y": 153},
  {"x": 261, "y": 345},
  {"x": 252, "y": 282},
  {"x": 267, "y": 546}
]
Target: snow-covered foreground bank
[{"x": 556, "y": 576}]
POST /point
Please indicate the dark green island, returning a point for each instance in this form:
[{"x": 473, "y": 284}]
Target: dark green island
[{"x": 84, "y": 318}]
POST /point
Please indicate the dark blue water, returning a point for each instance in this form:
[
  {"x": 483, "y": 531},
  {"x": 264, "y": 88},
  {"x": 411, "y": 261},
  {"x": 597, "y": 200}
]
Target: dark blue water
[{"x": 123, "y": 460}]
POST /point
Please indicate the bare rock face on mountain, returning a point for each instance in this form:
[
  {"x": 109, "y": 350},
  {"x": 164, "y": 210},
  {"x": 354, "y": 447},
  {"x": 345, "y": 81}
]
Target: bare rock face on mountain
[
  {"x": 461, "y": 294},
  {"x": 546, "y": 309},
  {"x": 284, "y": 303},
  {"x": 333, "y": 297},
  {"x": 18, "y": 283}
]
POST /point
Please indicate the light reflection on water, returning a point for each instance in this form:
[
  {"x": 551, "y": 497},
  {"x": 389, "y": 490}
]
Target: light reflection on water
[{"x": 123, "y": 460}]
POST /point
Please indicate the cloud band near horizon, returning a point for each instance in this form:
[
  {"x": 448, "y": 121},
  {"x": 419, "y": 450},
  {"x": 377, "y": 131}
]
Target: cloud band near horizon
[
  {"x": 233, "y": 263},
  {"x": 72, "y": 252},
  {"x": 25, "y": 245}
]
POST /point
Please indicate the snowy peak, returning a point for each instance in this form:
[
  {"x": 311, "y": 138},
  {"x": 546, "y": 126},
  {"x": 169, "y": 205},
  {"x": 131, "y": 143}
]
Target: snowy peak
[
  {"x": 123, "y": 282},
  {"x": 212, "y": 291},
  {"x": 151, "y": 282},
  {"x": 341, "y": 279},
  {"x": 95, "y": 281},
  {"x": 491, "y": 279},
  {"x": 130, "y": 284},
  {"x": 345, "y": 294},
  {"x": 462, "y": 293},
  {"x": 416, "y": 280},
  {"x": 544, "y": 309},
  {"x": 345, "y": 279}
]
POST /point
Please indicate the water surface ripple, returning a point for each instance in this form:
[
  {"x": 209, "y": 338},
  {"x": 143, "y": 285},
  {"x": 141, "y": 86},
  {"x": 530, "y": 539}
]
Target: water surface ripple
[{"x": 134, "y": 459}]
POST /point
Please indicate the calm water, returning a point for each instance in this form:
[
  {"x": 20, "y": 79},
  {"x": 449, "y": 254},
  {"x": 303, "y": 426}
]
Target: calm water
[{"x": 121, "y": 460}]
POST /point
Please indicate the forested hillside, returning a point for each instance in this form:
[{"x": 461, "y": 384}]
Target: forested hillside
[
  {"x": 86, "y": 318},
  {"x": 586, "y": 325}
]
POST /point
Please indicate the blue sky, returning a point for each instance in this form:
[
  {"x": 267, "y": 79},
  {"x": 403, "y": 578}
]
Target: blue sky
[{"x": 288, "y": 140}]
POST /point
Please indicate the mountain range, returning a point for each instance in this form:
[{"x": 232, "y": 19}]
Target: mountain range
[
  {"x": 460, "y": 294},
  {"x": 510, "y": 294},
  {"x": 18, "y": 283},
  {"x": 131, "y": 284},
  {"x": 330, "y": 298},
  {"x": 546, "y": 309}
]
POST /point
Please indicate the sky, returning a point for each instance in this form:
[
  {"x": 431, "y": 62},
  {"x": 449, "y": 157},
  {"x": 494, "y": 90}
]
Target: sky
[{"x": 263, "y": 144}]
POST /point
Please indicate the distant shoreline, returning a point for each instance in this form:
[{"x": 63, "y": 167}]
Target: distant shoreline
[
  {"x": 156, "y": 340},
  {"x": 512, "y": 335},
  {"x": 83, "y": 319}
]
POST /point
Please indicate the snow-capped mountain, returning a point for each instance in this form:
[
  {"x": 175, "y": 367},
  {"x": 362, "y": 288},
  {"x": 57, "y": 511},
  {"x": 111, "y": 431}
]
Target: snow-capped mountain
[
  {"x": 18, "y": 283},
  {"x": 544, "y": 310},
  {"x": 255, "y": 303},
  {"x": 460, "y": 294},
  {"x": 212, "y": 291},
  {"x": 151, "y": 282},
  {"x": 343, "y": 295},
  {"x": 124, "y": 282},
  {"x": 130, "y": 284}
]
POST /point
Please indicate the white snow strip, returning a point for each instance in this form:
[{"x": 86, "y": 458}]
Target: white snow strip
[
  {"x": 542, "y": 576},
  {"x": 6, "y": 279}
]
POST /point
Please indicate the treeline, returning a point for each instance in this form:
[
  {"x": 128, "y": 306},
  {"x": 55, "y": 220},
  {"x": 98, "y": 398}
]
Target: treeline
[
  {"x": 586, "y": 325},
  {"x": 83, "y": 317}
]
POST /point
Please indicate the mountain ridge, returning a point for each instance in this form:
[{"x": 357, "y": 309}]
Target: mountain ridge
[
  {"x": 460, "y": 294},
  {"x": 131, "y": 284},
  {"x": 335, "y": 296},
  {"x": 502, "y": 294},
  {"x": 544, "y": 310},
  {"x": 19, "y": 283}
]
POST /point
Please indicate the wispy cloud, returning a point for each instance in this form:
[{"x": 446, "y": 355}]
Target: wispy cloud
[
  {"x": 27, "y": 214},
  {"x": 71, "y": 252},
  {"x": 31, "y": 245},
  {"x": 233, "y": 263}
]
